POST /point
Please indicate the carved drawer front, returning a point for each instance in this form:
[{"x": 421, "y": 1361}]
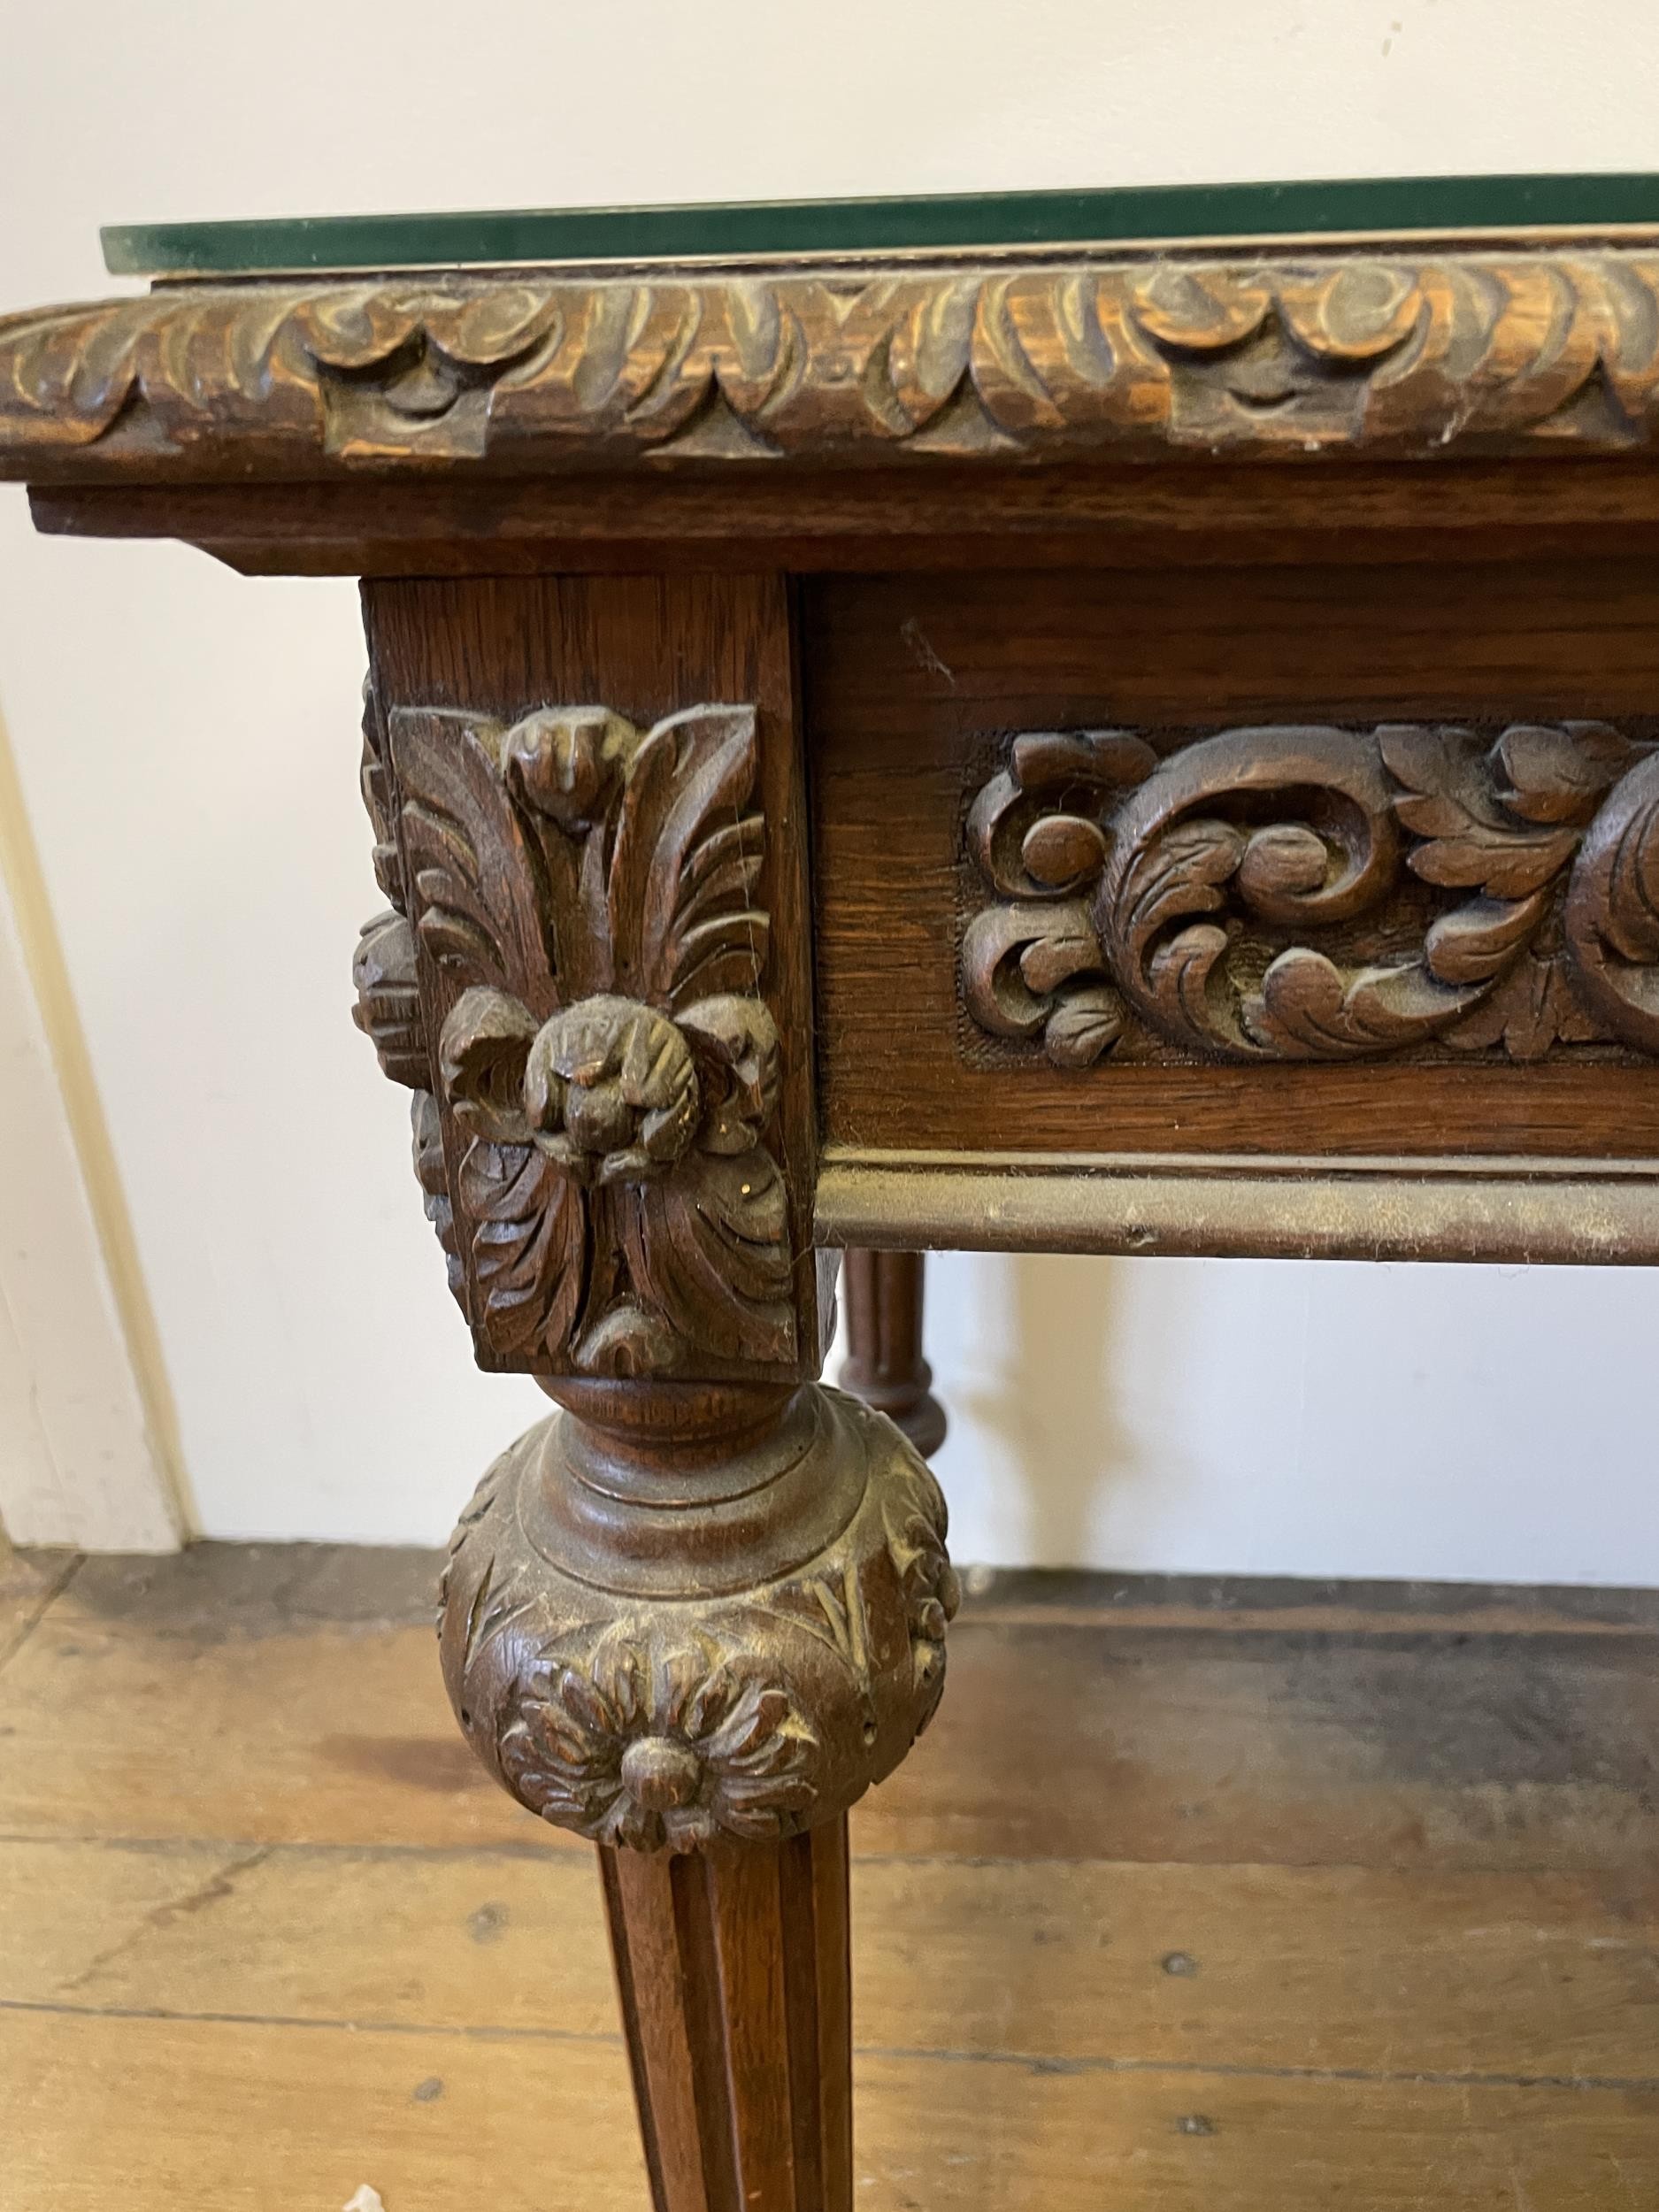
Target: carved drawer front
[{"x": 1349, "y": 860}]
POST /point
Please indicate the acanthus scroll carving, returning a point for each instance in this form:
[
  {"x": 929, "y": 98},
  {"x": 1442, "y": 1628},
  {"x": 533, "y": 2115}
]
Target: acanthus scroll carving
[
  {"x": 1315, "y": 892},
  {"x": 574, "y": 908}
]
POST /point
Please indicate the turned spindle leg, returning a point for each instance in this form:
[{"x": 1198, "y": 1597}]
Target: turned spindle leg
[{"x": 884, "y": 1294}]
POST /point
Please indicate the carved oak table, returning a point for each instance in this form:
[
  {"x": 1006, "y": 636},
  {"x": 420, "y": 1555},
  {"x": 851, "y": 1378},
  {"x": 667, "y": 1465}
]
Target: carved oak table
[{"x": 899, "y": 727}]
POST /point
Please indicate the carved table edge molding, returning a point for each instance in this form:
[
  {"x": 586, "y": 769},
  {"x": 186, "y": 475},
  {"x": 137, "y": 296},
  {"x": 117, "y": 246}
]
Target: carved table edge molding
[
  {"x": 1503, "y": 1209},
  {"x": 1288, "y": 352}
]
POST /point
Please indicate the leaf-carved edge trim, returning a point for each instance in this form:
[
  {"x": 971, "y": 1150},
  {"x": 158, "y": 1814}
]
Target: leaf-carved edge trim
[{"x": 1301, "y": 355}]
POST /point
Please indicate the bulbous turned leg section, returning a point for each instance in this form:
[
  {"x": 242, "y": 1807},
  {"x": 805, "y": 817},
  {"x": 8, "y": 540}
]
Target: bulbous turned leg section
[
  {"x": 690, "y": 1613},
  {"x": 694, "y": 1623},
  {"x": 884, "y": 1365}
]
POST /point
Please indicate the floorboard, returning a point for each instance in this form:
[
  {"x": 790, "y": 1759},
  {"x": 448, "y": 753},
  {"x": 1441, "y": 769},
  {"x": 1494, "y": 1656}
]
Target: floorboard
[{"x": 1198, "y": 1897}]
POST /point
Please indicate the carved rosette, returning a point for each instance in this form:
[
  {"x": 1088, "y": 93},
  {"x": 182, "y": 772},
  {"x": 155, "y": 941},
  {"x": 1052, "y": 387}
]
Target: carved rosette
[
  {"x": 654, "y": 1679},
  {"x": 570, "y": 977},
  {"x": 1318, "y": 894}
]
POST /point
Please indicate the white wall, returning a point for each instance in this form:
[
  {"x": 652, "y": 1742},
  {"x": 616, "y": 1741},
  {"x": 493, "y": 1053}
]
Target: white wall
[
  {"x": 188, "y": 745},
  {"x": 88, "y": 1452}
]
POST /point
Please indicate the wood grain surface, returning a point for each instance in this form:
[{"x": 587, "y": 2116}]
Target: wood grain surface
[
  {"x": 1197, "y": 1895},
  {"x": 1082, "y": 516},
  {"x": 912, "y": 683}
]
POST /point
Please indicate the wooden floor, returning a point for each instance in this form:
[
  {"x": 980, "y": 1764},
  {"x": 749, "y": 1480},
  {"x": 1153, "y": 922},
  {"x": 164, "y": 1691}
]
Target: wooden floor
[{"x": 1220, "y": 1899}]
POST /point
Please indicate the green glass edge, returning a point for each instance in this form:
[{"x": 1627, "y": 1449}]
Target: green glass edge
[{"x": 950, "y": 223}]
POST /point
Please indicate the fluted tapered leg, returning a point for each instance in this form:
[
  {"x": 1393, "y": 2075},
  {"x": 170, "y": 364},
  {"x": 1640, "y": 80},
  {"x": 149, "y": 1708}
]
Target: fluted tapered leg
[{"x": 734, "y": 1970}]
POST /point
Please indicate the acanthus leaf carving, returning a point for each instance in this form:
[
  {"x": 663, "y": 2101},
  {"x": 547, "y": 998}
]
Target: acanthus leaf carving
[
  {"x": 710, "y": 1249},
  {"x": 529, "y": 1244},
  {"x": 471, "y": 860},
  {"x": 1249, "y": 896},
  {"x": 584, "y": 905}
]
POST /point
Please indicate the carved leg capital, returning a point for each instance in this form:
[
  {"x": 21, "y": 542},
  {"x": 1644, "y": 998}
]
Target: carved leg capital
[{"x": 674, "y": 1615}]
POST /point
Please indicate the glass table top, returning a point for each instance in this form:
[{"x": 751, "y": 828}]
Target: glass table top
[{"x": 850, "y": 229}]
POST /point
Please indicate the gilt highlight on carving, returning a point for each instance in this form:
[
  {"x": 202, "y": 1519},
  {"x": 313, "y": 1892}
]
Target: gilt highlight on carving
[{"x": 1324, "y": 352}]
